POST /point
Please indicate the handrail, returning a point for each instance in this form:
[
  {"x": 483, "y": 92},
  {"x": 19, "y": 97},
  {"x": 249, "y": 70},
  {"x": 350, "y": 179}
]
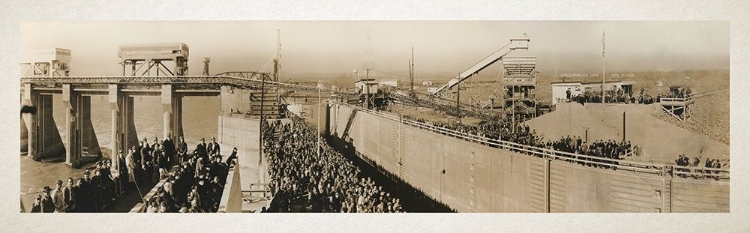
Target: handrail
[
  {"x": 675, "y": 99},
  {"x": 691, "y": 97},
  {"x": 645, "y": 167}
]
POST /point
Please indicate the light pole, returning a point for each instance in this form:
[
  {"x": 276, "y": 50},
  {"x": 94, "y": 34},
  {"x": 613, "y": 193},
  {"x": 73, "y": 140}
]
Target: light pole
[{"x": 319, "y": 87}]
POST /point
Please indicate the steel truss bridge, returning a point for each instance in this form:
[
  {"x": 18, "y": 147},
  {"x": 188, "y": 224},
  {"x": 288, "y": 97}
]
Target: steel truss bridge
[
  {"x": 254, "y": 81},
  {"x": 251, "y": 80}
]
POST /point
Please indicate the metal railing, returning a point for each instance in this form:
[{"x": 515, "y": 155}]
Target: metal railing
[
  {"x": 675, "y": 99},
  {"x": 626, "y": 165},
  {"x": 691, "y": 97}
]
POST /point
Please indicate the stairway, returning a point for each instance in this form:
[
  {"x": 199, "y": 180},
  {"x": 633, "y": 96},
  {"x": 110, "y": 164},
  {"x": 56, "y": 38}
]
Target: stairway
[
  {"x": 349, "y": 124},
  {"x": 395, "y": 141},
  {"x": 667, "y": 196},
  {"x": 268, "y": 102}
]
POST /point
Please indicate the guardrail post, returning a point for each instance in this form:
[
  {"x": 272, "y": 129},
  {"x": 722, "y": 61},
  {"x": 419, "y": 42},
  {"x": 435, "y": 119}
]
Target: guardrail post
[{"x": 547, "y": 174}]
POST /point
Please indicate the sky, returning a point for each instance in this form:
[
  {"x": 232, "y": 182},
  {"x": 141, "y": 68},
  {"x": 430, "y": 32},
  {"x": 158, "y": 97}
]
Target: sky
[{"x": 439, "y": 46}]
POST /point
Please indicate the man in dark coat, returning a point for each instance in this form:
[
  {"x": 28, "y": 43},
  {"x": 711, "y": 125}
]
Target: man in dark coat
[
  {"x": 201, "y": 148},
  {"x": 169, "y": 150},
  {"x": 47, "y": 205},
  {"x": 232, "y": 157},
  {"x": 215, "y": 168},
  {"x": 69, "y": 195},
  {"x": 96, "y": 191},
  {"x": 80, "y": 196},
  {"x": 145, "y": 153},
  {"x": 182, "y": 150},
  {"x": 86, "y": 203}
]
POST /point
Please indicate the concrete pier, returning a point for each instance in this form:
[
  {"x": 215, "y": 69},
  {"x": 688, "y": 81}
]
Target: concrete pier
[
  {"x": 80, "y": 145},
  {"x": 44, "y": 139}
]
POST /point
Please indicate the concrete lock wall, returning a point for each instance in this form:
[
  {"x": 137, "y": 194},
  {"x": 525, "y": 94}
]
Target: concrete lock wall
[
  {"x": 242, "y": 133},
  {"x": 479, "y": 178},
  {"x": 231, "y": 199}
]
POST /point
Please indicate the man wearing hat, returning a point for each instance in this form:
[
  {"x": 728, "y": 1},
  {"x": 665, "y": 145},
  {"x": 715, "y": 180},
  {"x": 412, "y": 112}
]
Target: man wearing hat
[
  {"x": 57, "y": 198},
  {"x": 47, "y": 205}
]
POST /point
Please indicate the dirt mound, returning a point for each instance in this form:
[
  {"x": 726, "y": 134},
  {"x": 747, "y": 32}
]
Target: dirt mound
[
  {"x": 708, "y": 116},
  {"x": 661, "y": 141}
]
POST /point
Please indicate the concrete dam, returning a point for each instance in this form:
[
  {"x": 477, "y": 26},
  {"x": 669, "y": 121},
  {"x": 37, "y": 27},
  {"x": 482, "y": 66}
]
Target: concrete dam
[{"x": 469, "y": 176}]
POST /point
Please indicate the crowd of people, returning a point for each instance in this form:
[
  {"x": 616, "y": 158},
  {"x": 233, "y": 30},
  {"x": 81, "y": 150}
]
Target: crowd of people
[
  {"x": 599, "y": 153},
  {"x": 613, "y": 97},
  {"x": 696, "y": 169},
  {"x": 194, "y": 185},
  {"x": 516, "y": 132},
  {"x": 194, "y": 180},
  {"x": 602, "y": 154},
  {"x": 90, "y": 193},
  {"x": 324, "y": 182},
  {"x": 677, "y": 92}
]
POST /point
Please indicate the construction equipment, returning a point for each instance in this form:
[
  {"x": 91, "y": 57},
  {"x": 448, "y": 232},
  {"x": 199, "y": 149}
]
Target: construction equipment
[
  {"x": 46, "y": 62},
  {"x": 515, "y": 44},
  {"x": 152, "y": 57}
]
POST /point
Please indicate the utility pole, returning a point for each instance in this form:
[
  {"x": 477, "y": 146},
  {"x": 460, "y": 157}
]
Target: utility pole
[
  {"x": 366, "y": 88},
  {"x": 513, "y": 107},
  {"x": 320, "y": 87},
  {"x": 458, "y": 100},
  {"x": 260, "y": 125},
  {"x": 411, "y": 70},
  {"x": 277, "y": 62},
  {"x": 604, "y": 64},
  {"x": 623, "y": 126}
]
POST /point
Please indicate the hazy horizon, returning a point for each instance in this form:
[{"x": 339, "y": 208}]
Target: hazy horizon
[{"x": 440, "y": 47}]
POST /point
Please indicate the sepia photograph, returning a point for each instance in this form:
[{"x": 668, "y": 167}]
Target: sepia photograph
[{"x": 374, "y": 116}]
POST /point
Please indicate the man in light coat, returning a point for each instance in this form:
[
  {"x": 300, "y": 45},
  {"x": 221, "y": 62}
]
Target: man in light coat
[
  {"x": 130, "y": 162},
  {"x": 57, "y": 198}
]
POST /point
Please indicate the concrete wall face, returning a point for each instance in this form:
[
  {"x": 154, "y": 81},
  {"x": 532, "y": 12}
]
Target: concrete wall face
[
  {"x": 695, "y": 196},
  {"x": 479, "y": 178},
  {"x": 241, "y": 133},
  {"x": 90, "y": 150},
  {"x": 231, "y": 198},
  {"x": 24, "y": 137}
]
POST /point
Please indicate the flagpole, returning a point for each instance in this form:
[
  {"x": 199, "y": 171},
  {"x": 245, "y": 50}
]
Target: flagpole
[{"x": 604, "y": 64}]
